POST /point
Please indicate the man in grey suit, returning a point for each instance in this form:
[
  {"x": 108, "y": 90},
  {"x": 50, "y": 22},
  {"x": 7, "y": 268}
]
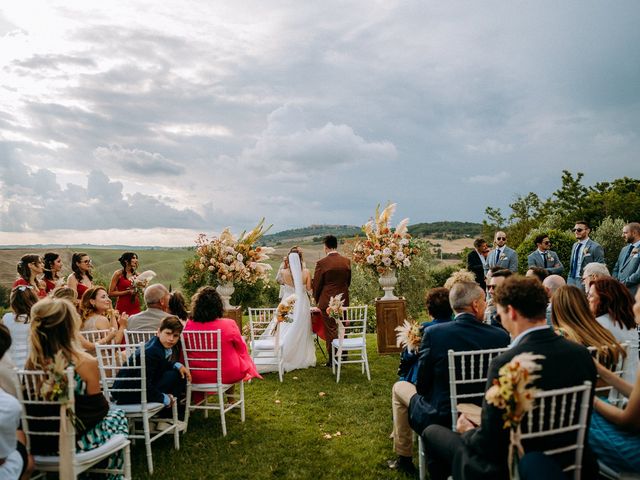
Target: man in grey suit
[
  {"x": 501, "y": 255},
  {"x": 544, "y": 257},
  {"x": 156, "y": 297},
  {"x": 584, "y": 251},
  {"x": 627, "y": 268}
]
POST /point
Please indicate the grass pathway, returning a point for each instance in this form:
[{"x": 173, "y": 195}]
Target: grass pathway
[{"x": 286, "y": 424}]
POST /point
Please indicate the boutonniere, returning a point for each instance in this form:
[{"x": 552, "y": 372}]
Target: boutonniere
[
  {"x": 634, "y": 252},
  {"x": 586, "y": 252},
  {"x": 549, "y": 257},
  {"x": 502, "y": 257}
]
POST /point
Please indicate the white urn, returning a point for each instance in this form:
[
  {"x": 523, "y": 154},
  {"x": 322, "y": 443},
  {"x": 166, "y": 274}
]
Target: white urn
[
  {"x": 388, "y": 281},
  {"x": 225, "y": 290}
]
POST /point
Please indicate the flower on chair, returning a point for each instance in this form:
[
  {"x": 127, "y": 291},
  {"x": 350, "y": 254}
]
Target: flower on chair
[{"x": 409, "y": 335}]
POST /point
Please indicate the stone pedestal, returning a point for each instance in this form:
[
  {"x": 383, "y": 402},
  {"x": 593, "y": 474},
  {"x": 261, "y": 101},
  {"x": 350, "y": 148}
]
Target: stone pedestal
[
  {"x": 234, "y": 313},
  {"x": 389, "y": 315}
]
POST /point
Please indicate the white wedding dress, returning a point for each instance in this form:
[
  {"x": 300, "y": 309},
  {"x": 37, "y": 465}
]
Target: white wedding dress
[{"x": 296, "y": 337}]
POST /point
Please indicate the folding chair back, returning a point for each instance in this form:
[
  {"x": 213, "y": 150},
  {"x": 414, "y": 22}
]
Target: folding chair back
[
  {"x": 264, "y": 338},
  {"x": 619, "y": 369},
  {"x": 352, "y": 338},
  {"x": 94, "y": 336},
  {"x": 134, "y": 337}
]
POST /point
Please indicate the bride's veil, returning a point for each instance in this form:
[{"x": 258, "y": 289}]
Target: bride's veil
[{"x": 296, "y": 273}]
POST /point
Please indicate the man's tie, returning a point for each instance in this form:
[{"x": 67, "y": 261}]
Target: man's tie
[
  {"x": 497, "y": 255},
  {"x": 544, "y": 258},
  {"x": 574, "y": 264}
]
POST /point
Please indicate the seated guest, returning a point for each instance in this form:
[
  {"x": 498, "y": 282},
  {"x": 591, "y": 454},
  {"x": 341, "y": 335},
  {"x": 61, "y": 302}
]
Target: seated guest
[
  {"x": 122, "y": 286},
  {"x": 67, "y": 293},
  {"x": 165, "y": 377},
  {"x": 81, "y": 279},
  {"x": 614, "y": 434},
  {"x": 593, "y": 271},
  {"x": 206, "y": 313},
  {"x": 7, "y": 367},
  {"x": 571, "y": 316},
  {"x": 22, "y": 298},
  {"x": 537, "y": 272},
  {"x": 52, "y": 269},
  {"x": 494, "y": 281},
  {"x": 551, "y": 284},
  {"x": 612, "y": 304},
  {"x": 438, "y": 307},
  {"x": 426, "y": 403},
  {"x": 54, "y": 328},
  {"x": 97, "y": 314},
  {"x": 482, "y": 452},
  {"x": 14, "y": 460},
  {"x": 29, "y": 268},
  {"x": 156, "y": 297},
  {"x": 178, "y": 306}
]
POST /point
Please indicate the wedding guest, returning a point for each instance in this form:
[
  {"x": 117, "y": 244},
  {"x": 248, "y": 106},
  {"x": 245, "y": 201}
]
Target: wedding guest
[
  {"x": 178, "y": 306},
  {"x": 551, "y": 284},
  {"x": 207, "y": 314},
  {"x": 29, "y": 268},
  {"x": 544, "y": 257},
  {"x": 98, "y": 314},
  {"x": 583, "y": 252},
  {"x": 21, "y": 300},
  {"x": 54, "y": 328},
  {"x": 593, "y": 271},
  {"x": 52, "y": 269},
  {"x": 501, "y": 255},
  {"x": 439, "y": 309},
  {"x": 627, "y": 267},
  {"x": 81, "y": 279},
  {"x": 477, "y": 260},
  {"x": 537, "y": 272},
  {"x": 67, "y": 293},
  {"x": 612, "y": 304},
  {"x": 614, "y": 433},
  {"x": 571, "y": 316},
  {"x": 157, "y": 298},
  {"x": 122, "y": 284},
  {"x": 498, "y": 276},
  {"x": 7, "y": 367}
]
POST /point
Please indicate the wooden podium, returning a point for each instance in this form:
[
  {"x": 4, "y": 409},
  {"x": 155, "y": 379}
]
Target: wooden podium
[
  {"x": 234, "y": 313},
  {"x": 389, "y": 315}
]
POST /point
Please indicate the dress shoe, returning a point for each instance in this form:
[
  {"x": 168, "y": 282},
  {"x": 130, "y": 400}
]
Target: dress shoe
[
  {"x": 404, "y": 465},
  {"x": 328, "y": 364}
]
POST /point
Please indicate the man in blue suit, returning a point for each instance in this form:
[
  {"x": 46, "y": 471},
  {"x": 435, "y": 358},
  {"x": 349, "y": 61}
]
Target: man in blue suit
[
  {"x": 627, "y": 268},
  {"x": 584, "y": 251},
  {"x": 501, "y": 255},
  {"x": 544, "y": 257},
  {"x": 426, "y": 403}
]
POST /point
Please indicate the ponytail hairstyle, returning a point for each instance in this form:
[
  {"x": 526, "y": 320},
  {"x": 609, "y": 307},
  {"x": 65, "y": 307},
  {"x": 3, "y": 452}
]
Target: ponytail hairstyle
[
  {"x": 54, "y": 327},
  {"x": 23, "y": 266},
  {"x": 49, "y": 258},
  {"x": 125, "y": 259},
  {"x": 75, "y": 259},
  {"x": 22, "y": 298}
]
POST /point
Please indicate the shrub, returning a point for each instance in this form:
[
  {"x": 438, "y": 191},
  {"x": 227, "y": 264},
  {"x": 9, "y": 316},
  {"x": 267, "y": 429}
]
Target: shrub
[
  {"x": 609, "y": 235},
  {"x": 561, "y": 243}
]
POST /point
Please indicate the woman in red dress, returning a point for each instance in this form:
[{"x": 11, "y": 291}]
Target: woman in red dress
[
  {"x": 29, "y": 268},
  {"x": 52, "y": 269},
  {"x": 81, "y": 279},
  {"x": 128, "y": 301}
]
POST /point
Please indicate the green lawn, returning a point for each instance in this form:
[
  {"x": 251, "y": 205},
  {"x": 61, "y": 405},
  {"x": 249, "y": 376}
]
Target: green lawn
[{"x": 283, "y": 435}]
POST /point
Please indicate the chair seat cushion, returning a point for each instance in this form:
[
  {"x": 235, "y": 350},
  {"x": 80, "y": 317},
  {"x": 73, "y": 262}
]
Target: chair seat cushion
[
  {"x": 264, "y": 344},
  {"x": 112, "y": 445},
  {"x": 136, "y": 408},
  {"x": 350, "y": 343},
  {"x": 209, "y": 387}
]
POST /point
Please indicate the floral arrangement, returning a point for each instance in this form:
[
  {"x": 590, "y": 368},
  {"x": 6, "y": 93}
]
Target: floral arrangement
[
  {"x": 55, "y": 387},
  {"x": 283, "y": 312},
  {"x": 235, "y": 260},
  {"x": 409, "y": 336},
  {"x": 140, "y": 282},
  {"x": 335, "y": 308},
  {"x": 513, "y": 392},
  {"x": 384, "y": 249}
]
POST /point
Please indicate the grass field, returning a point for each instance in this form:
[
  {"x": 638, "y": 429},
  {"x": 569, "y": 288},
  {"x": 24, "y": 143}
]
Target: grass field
[{"x": 284, "y": 433}]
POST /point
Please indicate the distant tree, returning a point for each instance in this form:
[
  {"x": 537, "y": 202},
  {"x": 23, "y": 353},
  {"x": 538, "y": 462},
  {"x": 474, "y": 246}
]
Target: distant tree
[
  {"x": 617, "y": 199},
  {"x": 569, "y": 200},
  {"x": 609, "y": 235},
  {"x": 525, "y": 213}
]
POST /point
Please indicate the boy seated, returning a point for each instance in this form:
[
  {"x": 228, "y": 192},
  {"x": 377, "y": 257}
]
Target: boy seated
[{"x": 165, "y": 377}]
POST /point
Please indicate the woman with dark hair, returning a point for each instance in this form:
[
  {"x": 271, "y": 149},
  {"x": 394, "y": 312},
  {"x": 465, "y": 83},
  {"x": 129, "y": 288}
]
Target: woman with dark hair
[
  {"x": 206, "y": 315},
  {"x": 81, "y": 279},
  {"x": 54, "y": 329},
  {"x": 178, "y": 306},
  {"x": 612, "y": 304},
  {"x": 122, "y": 287},
  {"x": 22, "y": 298},
  {"x": 29, "y": 268},
  {"x": 52, "y": 269}
]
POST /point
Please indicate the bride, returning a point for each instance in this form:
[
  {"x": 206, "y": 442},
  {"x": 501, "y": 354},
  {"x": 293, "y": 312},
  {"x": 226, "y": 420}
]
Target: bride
[{"x": 296, "y": 338}]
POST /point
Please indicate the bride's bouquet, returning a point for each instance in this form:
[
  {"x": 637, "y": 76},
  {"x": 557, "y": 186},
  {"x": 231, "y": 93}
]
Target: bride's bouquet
[
  {"x": 384, "y": 249},
  {"x": 283, "y": 312},
  {"x": 236, "y": 260}
]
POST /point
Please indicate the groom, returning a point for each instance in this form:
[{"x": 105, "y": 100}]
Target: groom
[{"x": 332, "y": 277}]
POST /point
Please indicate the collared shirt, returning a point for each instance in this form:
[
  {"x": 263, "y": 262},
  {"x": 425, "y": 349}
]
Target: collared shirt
[{"x": 519, "y": 338}]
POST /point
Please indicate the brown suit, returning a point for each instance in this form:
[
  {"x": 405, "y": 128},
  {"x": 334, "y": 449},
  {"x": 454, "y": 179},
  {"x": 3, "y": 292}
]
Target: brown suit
[{"x": 332, "y": 276}]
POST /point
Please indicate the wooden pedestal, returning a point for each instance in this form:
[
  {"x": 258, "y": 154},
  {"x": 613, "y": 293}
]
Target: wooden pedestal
[
  {"x": 389, "y": 315},
  {"x": 235, "y": 313}
]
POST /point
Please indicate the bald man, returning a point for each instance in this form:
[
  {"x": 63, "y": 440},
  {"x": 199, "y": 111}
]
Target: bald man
[{"x": 501, "y": 255}]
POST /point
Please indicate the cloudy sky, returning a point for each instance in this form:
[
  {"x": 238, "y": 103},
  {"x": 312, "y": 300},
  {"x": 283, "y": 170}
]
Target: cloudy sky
[{"x": 144, "y": 122}]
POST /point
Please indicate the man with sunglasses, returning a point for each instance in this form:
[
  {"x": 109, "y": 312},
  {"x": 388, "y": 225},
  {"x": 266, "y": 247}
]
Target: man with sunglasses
[
  {"x": 584, "y": 251},
  {"x": 544, "y": 257},
  {"x": 501, "y": 255}
]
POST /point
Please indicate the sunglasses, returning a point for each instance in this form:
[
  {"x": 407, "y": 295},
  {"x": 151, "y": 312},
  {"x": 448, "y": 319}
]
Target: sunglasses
[
  {"x": 491, "y": 287},
  {"x": 578, "y": 230},
  {"x": 501, "y": 238},
  {"x": 546, "y": 243}
]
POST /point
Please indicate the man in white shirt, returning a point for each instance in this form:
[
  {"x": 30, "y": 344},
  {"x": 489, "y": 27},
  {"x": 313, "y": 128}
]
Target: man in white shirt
[{"x": 156, "y": 297}]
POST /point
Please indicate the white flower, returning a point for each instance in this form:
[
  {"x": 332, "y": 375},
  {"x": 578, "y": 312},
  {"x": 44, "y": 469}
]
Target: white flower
[
  {"x": 386, "y": 251},
  {"x": 406, "y": 262},
  {"x": 240, "y": 257},
  {"x": 399, "y": 256},
  {"x": 386, "y": 261},
  {"x": 404, "y": 241},
  {"x": 371, "y": 259},
  {"x": 377, "y": 253}
]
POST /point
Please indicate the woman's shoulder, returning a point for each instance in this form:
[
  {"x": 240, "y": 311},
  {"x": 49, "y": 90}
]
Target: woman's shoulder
[
  {"x": 20, "y": 281},
  {"x": 85, "y": 363}
]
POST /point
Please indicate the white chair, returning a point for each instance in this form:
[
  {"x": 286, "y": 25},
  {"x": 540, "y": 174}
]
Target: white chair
[
  {"x": 111, "y": 362},
  {"x": 28, "y": 391},
  {"x": 352, "y": 339},
  {"x": 264, "y": 340},
  {"x": 94, "y": 336},
  {"x": 203, "y": 353},
  {"x": 468, "y": 371},
  {"x": 556, "y": 413},
  {"x": 134, "y": 337},
  {"x": 620, "y": 368}
]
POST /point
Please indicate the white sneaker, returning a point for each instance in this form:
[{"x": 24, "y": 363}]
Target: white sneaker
[{"x": 162, "y": 425}]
